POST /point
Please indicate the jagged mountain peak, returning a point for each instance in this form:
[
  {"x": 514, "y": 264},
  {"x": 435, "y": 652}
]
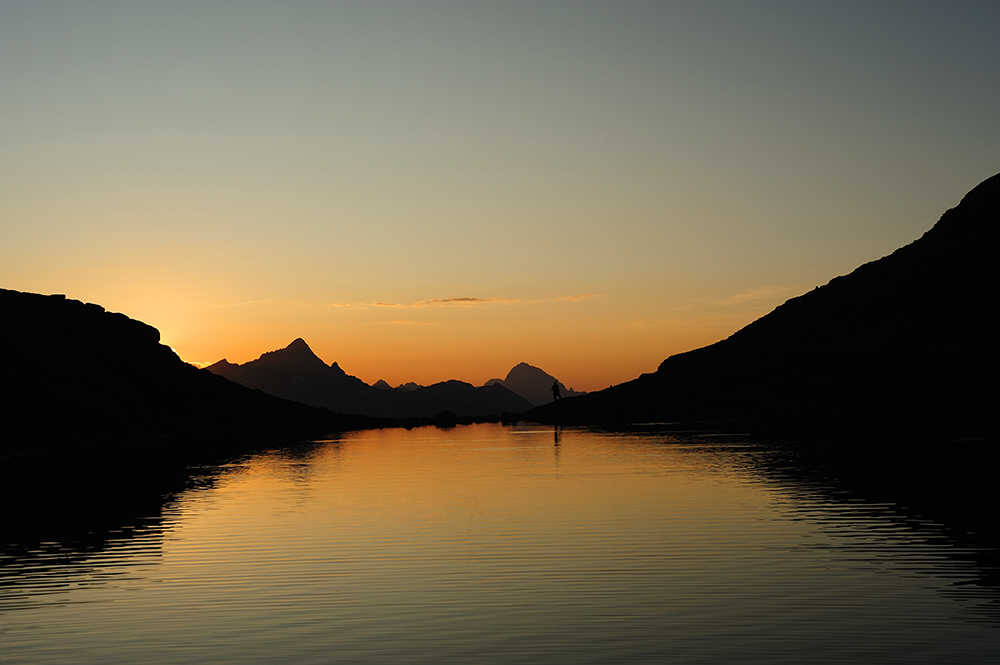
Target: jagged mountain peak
[{"x": 296, "y": 355}]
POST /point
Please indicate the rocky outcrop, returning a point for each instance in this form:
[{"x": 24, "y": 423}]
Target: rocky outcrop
[{"x": 76, "y": 374}]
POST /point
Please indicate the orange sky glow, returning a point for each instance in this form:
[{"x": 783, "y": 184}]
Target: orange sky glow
[{"x": 436, "y": 190}]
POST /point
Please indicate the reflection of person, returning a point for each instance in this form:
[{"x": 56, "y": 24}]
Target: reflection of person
[{"x": 555, "y": 391}]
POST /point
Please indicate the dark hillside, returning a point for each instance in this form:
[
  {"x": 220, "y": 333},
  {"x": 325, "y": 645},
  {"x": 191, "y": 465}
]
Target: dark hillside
[
  {"x": 75, "y": 375},
  {"x": 904, "y": 344}
]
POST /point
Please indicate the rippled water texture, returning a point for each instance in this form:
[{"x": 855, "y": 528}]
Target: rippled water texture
[{"x": 497, "y": 544}]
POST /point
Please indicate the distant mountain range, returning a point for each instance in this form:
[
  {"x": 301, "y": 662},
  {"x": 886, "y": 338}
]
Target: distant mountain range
[
  {"x": 533, "y": 384},
  {"x": 904, "y": 345},
  {"x": 296, "y": 373}
]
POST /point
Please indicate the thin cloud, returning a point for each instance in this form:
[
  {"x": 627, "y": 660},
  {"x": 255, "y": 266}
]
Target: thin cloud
[
  {"x": 340, "y": 304},
  {"x": 755, "y": 294},
  {"x": 465, "y": 300},
  {"x": 408, "y": 323}
]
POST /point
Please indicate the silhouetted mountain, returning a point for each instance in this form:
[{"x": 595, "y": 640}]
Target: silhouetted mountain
[
  {"x": 381, "y": 385},
  {"x": 532, "y": 383},
  {"x": 75, "y": 373},
  {"x": 903, "y": 344},
  {"x": 464, "y": 399},
  {"x": 296, "y": 373}
]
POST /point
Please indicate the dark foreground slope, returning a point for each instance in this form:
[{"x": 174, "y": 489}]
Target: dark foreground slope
[
  {"x": 76, "y": 376},
  {"x": 904, "y": 345}
]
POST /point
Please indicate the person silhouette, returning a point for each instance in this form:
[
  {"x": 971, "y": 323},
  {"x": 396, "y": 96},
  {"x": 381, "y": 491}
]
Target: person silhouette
[{"x": 555, "y": 391}]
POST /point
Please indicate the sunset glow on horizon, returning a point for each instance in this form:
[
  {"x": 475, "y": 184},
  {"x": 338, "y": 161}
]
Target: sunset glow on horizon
[{"x": 441, "y": 190}]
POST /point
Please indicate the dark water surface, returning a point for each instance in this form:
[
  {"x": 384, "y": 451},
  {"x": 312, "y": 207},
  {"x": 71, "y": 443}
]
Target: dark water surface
[{"x": 500, "y": 544}]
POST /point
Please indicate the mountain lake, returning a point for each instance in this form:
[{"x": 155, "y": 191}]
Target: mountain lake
[{"x": 506, "y": 544}]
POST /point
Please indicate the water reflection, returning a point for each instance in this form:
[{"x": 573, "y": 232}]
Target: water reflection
[
  {"x": 910, "y": 501},
  {"x": 499, "y": 543}
]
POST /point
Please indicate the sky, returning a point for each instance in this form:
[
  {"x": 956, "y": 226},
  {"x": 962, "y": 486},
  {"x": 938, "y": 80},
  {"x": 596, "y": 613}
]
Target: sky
[{"x": 434, "y": 190}]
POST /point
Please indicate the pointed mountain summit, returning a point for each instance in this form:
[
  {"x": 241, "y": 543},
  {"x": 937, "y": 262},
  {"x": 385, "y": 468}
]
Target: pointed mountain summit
[
  {"x": 298, "y": 374},
  {"x": 296, "y": 356},
  {"x": 532, "y": 383},
  {"x": 272, "y": 368},
  {"x": 902, "y": 345}
]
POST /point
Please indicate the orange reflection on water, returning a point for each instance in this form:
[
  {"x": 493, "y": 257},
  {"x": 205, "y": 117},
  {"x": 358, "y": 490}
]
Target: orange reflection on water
[
  {"x": 431, "y": 489},
  {"x": 501, "y": 544}
]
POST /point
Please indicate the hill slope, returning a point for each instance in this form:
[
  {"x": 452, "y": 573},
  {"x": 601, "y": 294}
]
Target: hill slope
[
  {"x": 76, "y": 374},
  {"x": 904, "y": 343}
]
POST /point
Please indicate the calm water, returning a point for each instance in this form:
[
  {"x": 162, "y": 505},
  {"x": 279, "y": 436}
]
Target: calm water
[{"x": 497, "y": 544}]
